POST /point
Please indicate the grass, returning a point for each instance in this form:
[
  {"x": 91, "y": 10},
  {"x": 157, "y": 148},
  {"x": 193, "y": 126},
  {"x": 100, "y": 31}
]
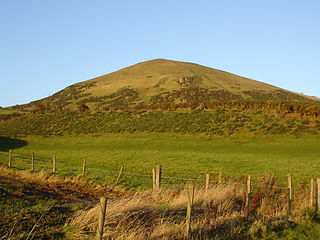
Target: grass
[
  {"x": 147, "y": 216},
  {"x": 46, "y": 206},
  {"x": 217, "y": 214},
  {"x": 182, "y": 156},
  {"x": 8, "y": 111},
  {"x": 38, "y": 204}
]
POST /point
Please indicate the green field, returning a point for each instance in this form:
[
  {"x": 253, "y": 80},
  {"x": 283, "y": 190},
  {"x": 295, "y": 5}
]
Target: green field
[{"x": 182, "y": 156}]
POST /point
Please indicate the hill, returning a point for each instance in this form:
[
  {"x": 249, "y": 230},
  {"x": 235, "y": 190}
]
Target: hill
[
  {"x": 157, "y": 96},
  {"x": 163, "y": 81}
]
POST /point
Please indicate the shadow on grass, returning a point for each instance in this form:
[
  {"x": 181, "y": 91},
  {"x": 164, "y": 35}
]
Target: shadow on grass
[{"x": 7, "y": 143}]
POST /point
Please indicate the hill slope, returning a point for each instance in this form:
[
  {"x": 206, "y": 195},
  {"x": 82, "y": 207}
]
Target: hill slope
[{"x": 164, "y": 81}]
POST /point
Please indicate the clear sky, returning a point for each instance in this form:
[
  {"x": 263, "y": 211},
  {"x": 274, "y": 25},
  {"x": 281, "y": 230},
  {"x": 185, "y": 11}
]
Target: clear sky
[{"x": 47, "y": 45}]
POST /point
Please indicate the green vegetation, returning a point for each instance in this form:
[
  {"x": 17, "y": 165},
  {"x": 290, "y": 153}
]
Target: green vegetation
[
  {"x": 305, "y": 230},
  {"x": 6, "y": 114},
  {"x": 215, "y": 122},
  {"x": 182, "y": 156},
  {"x": 4, "y": 111}
]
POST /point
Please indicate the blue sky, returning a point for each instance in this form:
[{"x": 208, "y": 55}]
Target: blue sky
[{"x": 49, "y": 45}]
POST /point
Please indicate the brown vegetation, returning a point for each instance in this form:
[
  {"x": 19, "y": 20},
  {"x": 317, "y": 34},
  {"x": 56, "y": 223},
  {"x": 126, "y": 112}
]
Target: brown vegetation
[
  {"x": 76, "y": 188},
  {"x": 217, "y": 212},
  {"x": 37, "y": 205},
  {"x": 83, "y": 108}
]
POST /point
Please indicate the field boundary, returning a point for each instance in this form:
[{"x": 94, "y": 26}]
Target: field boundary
[{"x": 252, "y": 188}]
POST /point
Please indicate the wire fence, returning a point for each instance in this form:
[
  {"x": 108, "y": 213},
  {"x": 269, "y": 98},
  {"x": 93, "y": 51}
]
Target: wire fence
[
  {"x": 309, "y": 191},
  {"x": 138, "y": 178}
]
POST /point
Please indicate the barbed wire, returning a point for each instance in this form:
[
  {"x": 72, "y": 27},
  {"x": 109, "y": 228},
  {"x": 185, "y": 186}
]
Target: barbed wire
[
  {"x": 217, "y": 172},
  {"x": 43, "y": 163},
  {"x": 166, "y": 180}
]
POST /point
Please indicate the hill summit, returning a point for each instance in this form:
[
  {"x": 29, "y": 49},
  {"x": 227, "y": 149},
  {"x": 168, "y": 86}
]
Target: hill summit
[{"x": 164, "y": 81}]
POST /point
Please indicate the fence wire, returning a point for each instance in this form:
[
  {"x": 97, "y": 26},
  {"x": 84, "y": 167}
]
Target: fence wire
[{"x": 23, "y": 161}]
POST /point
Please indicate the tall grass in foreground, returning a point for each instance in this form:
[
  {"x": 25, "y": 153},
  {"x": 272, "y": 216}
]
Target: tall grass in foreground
[
  {"x": 36, "y": 205},
  {"x": 218, "y": 213},
  {"x": 69, "y": 212}
]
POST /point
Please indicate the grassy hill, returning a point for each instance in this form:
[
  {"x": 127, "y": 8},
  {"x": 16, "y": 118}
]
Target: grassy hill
[
  {"x": 163, "y": 81},
  {"x": 192, "y": 120}
]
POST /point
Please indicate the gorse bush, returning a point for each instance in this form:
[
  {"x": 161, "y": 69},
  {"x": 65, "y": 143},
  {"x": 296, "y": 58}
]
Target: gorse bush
[{"x": 217, "y": 122}]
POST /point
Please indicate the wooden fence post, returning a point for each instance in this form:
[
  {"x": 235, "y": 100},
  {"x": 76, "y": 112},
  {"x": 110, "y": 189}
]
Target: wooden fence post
[
  {"x": 158, "y": 177},
  {"x": 317, "y": 198},
  {"x": 119, "y": 175},
  {"x": 207, "y": 181},
  {"x": 153, "y": 179},
  {"x": 102, "y": 217},
  {"x": 248, "y": 194},
  {"x": 32, "y": 161},
  {"x": 289, "y": 195},
  {"x": 10, "y": 158},
  {"x": 54, "y": 163},
  {"x": 220, "y": 177},
  {"x": 311, "y": 193},
  {"x": 189, "y": 210},
  {"x": 84, "y": 165}
]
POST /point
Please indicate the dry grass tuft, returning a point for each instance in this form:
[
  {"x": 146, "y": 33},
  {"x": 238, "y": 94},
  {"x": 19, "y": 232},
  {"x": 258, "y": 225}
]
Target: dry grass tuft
[
  {"x": 217, "y": 213},
  {"x": 156, "y": 216},
  {"x": 41, "y": 177},
  {"x": 60, "y": 186}
]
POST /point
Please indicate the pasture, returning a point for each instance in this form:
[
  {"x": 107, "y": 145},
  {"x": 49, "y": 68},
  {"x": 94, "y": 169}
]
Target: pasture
[{"x": 181, "y": 156}]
